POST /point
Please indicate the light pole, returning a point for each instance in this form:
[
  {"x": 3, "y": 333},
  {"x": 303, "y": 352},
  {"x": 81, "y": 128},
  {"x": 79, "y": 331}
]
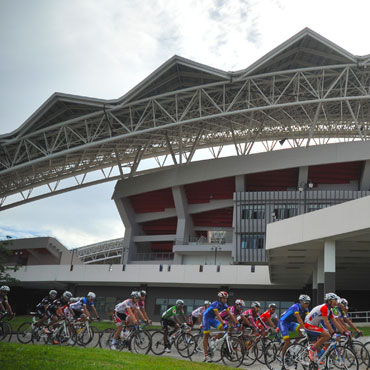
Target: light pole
[{"x": 216, "y": 249}]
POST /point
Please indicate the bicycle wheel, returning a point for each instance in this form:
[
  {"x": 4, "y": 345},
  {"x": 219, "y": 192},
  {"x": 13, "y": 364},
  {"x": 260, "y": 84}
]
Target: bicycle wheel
[
  {"x": 272, "y": 355},
  {"x": 196, "y": 354},
  {"x": 251, "y": 352},
  {"x": 261, "y": 345},
  {"x": 25, "y": 332},
  {"x": 296, "y": 357},
  {"x": 95, "y": 342},
  {"x": 106, "y": 338},
  {"x": 140, "y": 342},
  {"x": 84, "y": 336},
  {"x": 341, "y": 357},
  {"x": 185, "y": 344},
  {"x": 67, "y": 336},
  {"x": 158, "y": 346},
  {"x": 362, "y": 354},
  {"x": 232, "y": 351}
]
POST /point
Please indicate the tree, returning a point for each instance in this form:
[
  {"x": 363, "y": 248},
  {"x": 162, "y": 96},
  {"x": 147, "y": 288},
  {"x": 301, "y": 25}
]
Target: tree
[{"x": 4, "y": 252}]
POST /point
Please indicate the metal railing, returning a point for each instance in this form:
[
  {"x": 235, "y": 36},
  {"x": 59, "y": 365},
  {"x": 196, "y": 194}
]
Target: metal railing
[
  {"x": 203, "y": 240},
  {"x": 360, "y": 316},
  {"x": 153, "y": 256}
]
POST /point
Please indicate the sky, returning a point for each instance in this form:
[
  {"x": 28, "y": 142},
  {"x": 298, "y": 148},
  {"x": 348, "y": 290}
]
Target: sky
[{"x": 103, "y": 48}]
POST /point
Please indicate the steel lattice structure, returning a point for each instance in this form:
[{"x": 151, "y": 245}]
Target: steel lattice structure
[{"x": 307, "y": 91}]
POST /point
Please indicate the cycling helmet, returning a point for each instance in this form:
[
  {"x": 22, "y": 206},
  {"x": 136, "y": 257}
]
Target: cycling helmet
[
  {"x": 142, "y": 293},
  {"x": 240, "y": 301},
  {"x": 67, "y": 295},
  {"x": 331, "y": 297},
  {"x": 344, "y": 302},
  {"x": 222, "y": 294},
  {"x": 5, "y": 288},
  {"x": 272, "y": 305},
  {"x": 180, "y": 302},
  {"x": 255, "y": 304},
  {"x": 74, "y": 299},
  {"x": 304, "y": 298},
  {"x": 207, "y": 303},
  {"x": 135, "y": 294},
  {"x": 53, "y": 293},
  {"x": 91, "y": 295}
]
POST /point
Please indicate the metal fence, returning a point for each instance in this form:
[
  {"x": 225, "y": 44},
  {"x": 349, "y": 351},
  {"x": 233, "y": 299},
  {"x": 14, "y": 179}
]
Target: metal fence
[{"x": 360, "y": 316}]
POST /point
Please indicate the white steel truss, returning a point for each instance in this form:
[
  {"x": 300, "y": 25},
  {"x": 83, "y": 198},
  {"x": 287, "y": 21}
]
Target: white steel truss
[
  {"x": 307, "y": 106},
  {"x": 103, "y": 251}
]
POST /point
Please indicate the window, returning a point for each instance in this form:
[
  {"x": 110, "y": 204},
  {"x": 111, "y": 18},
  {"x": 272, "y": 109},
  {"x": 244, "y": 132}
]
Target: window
[
  {"x": 252, "y": 241},
  {"x": 253, "y": 211},
  {"x": 283, "y": 211},
  {"x": 315, "y": 206}
]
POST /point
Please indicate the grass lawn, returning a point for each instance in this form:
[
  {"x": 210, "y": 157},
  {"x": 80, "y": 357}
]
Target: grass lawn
[{"x": 38, "y": 357}]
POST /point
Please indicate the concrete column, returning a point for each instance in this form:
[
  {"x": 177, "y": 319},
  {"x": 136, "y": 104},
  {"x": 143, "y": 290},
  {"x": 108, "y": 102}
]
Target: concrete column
[
  {"x": 302, "y": 175},
  {"x": 365, "y": 177},
  {"x": 302, "y": 186},
  {"x": 329, "y": 266},
  {"x": 132, "y": 229},
  {"x": 314, "y": 286},
  {"x": 185, "y": 227},
  {"x": 240, "y": 183},
  {"x": 320, "y": 279}
]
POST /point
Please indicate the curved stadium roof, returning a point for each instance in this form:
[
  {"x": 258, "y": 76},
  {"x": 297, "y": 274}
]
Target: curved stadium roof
[{"x": 307, "y": 91}]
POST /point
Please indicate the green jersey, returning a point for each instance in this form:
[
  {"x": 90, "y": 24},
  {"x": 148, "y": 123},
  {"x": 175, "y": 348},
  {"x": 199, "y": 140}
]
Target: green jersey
[{"x": 172, "y": 312}]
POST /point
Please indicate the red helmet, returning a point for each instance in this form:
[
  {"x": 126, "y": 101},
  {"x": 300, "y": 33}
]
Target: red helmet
[{"x": 222, "y": 294}]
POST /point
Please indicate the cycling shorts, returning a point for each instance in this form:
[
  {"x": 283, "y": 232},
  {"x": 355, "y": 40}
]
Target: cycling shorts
[
  {"x": 285, "y": 328},
  {"x": 312, "y": 331},
  {"x": 119, "y": 318},
  {"x": 208, "y": 323}
]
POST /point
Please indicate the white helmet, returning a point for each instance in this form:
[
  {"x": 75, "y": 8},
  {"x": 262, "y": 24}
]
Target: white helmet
[
  {"x": 272, "y": 305},
  {"x": 304, "y": 298},
  {"x": 53, "y": 293},
  {"x": 255, "y": 304},
  {"x": 207, "y": 303},
  {"x": 142, "y": 293},
  {"x": 180, "y": 302},
  {"x": 223, "y": 294},
  {"x": 135, "y": 294},
  {"x": 67, "y": 295},
  {"x": 5, "y": 288},
  {"x": 91, "y": 295},
  {"x": 241, "y": 302},
  {"x": 331, "y": 297},
  {"x": 344, "y": 302}
]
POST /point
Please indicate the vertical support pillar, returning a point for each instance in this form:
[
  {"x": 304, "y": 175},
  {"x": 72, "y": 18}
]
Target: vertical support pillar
[
  {"x": 240, "y": 183},
  {"x": 314, "y": 287},
  {"x": 302, "y": 186},
  {"x": 185, "y": 227},
  {"x": 127, "y": 215},
  {"x": 365, "y": 177},
  {"x": 329, "y": 266},
  {"x": 320, "y": 279}
]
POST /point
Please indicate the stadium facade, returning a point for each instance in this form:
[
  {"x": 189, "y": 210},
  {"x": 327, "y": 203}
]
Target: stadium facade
[{"x": 265, "y": 225}]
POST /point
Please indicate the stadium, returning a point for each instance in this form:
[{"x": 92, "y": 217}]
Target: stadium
[{"x": 256, "y": 182}]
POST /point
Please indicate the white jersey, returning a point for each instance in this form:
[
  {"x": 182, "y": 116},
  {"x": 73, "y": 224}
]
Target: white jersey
[
  {"x": 77, "y": 306},
  {"x": 123, "y": 306},
  {"x": 199, "y": 311},
  {"x": 316, "y": 315}
]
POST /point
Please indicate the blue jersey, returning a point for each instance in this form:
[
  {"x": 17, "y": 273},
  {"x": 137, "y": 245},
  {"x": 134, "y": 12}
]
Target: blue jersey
[
  {"x": 289, "y": 314},
  {"x": 209, "y": 313},
  {"x": 87, "y": 302}
]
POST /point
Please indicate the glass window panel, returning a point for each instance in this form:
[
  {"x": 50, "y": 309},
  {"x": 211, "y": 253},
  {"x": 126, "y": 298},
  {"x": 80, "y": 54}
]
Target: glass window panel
[
  {"x": 161, "y": 301},
  {"x": 253, "y": 211},
  {"x": 252, "y": 241}
]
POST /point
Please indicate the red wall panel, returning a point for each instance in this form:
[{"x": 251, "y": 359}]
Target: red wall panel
[
  {"x": 154, "y": 201},
  {"x": 162, "y": 246},
  {"x": 278, "y": 180},
  {"x": 203, "y": 192},
  {"x": 217, "y": 218},
  {"x": 160, "y": 227},
  {"x": 335, "y": 173}
]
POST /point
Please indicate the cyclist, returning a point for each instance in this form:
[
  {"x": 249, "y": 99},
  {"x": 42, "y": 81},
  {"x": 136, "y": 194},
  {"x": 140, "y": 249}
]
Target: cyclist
[
  {"x": 41, "y": 308},
  {"x": 169, "y": 318},
  {"x": 292, "y": 319},
  {"x": 341, "y": 314},
  {"x": 141, "y": 305},
  {"x": 196, "y": 316},
  {"x": 55, "y": 309},
  {"x": 212, "y": 318},
  {"x": 79, "y": 307},
  {"x": 4, "y": 303},
  {"x": 251, "y": 317},
  {"x": 236, "y": 310},
  {"x": 125, "y": 312},
  {"x": 321, "y": 315},
  {"x": 268, "y": 316}
]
